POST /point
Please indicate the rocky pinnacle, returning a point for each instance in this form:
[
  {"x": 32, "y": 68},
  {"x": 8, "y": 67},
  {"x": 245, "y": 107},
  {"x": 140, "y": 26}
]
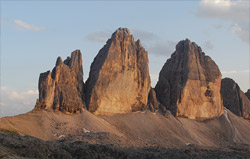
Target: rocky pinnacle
[
  {"x": 119, "y": 79},
  {"x": 189, "y": 83},
  {"x": 62, "y": 89}
]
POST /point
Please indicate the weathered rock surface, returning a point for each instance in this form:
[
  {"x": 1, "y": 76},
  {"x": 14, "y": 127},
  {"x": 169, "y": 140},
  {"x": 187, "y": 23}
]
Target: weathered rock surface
[
  {"x": 62, "y": 89},
  {"x": 119, "y": 79},
  {"x": 248, "y": 94},
  {"x": 189, "y": 83},
  {"x": 234, "y": 99},
  {"x": 152, "y": 100}
]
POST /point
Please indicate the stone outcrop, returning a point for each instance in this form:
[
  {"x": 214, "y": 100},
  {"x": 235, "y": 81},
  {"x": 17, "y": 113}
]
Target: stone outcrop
[
  {"x": 234, "y": 99},
  {"x": 152, "y": 100},
  {"x": 248, "y": 94},
  {"x": 189, "y": 83},
  {"x": 62, "y": 89},
  {"x": 119, "y": 79}
]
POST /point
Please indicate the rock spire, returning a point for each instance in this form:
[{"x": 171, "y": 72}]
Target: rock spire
[
  {"x": 189, "y": 83},
  {"x": 62, "y": 89},
  {"x": 119, "y": 79}
]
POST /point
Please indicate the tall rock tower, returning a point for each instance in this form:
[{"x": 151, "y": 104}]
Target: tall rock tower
[
  {"x": 189, "y": 83},
  {"x": 234, "y": 99},
  {"x": 119, "y": 79},
  {"x": 62, "y": 89}
]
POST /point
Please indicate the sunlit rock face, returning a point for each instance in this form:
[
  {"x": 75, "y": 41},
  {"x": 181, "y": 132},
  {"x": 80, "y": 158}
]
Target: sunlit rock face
[
  {"x": 189, "y": 83},
  {"x": 234, "y": 99},
  {"x": 119, "y": 79},
  {"x": 62, "y": 89}
]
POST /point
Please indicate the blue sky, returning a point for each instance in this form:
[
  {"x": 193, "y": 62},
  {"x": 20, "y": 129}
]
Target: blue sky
[{"x": 34, "y": 34}]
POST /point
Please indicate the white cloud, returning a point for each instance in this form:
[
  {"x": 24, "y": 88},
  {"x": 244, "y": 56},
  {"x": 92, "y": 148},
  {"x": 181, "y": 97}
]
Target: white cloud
[
  {"x": 27, "y": 26},
  {"x": 14, "y": 95},
  {"x": 14, "y": 102},
  {"x": 234, "y": 11},
  {"x": 224, "y": 9}
]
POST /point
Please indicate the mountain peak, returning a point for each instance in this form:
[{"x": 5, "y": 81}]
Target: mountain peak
[
  {"x": 121, "y": 65},
  {"x": 59, "y": 61},
  {"x": 122, "y": 34},
  {"x": 189, "y": 83},
  {"x": 186, "y": 46},
  {"x": 122, "y": 31},
  {"x": 234, "y": 98}
]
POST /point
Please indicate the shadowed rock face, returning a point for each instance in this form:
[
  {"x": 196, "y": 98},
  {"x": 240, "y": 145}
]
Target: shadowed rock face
[
  {"x": 248, "y": 94},
  {"x": 152, "y": 100},
  {"x": 234, "y": 99},
  {"x": 63, "y": 88},
  {"x": 119, "y": 79},
  {"x": 189, "y": 83}
]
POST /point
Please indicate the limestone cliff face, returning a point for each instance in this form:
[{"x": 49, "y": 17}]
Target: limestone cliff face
[
  {"x": 63, "y": 88},
  {"x": 119, "y": 79},
  {"x": 189, "y": 83},
  {"x": 234, "y": 99}
]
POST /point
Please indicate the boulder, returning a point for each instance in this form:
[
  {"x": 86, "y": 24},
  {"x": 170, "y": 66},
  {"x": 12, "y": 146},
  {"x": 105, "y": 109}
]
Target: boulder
[
  {"x": 234, "y": 99},
  {"x": 62, "y": 89},
  {"x": 189, "y": 83},
  {"x": 119, "y": 79}
]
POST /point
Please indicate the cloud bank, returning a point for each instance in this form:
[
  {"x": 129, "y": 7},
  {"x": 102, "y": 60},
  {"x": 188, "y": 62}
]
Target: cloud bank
[
  {"x": 15, "y": 102},
  {"x": 235, "y": 11}
]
